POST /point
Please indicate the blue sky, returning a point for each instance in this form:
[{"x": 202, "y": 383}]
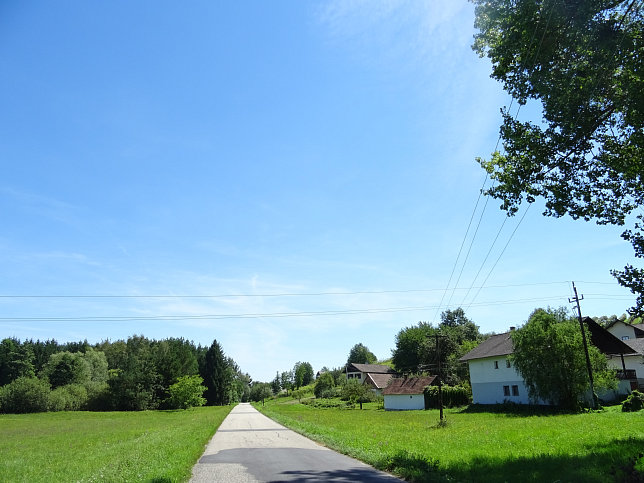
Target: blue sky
[{"x": 289, "y": 178}]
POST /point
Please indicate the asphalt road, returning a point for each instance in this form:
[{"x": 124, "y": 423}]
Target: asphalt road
[{"x": 249, "y": 447}]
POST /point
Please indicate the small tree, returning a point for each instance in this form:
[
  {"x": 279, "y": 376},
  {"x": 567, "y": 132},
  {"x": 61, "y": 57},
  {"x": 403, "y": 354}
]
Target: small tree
[
  {"x": 356, "y": 392},
  {"x": 187, "y": 392},
  {"x": 324, "y": 385},
  {"x": 549, "y": 354}
]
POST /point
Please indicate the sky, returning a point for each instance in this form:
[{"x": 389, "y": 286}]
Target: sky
[{"x": 289, "y": 178}]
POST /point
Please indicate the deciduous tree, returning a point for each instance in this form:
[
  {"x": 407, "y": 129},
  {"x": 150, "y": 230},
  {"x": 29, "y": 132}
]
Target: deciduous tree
[
  {"x": 360, "y": 354},
  {"x": 582, "y": 61},
  {"x": 549, "y": 355}
]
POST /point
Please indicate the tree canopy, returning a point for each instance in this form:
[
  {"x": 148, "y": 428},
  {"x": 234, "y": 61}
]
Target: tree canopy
[
  {"x": 549, "y": 354},
  {"x": 360, "y": 354},
  {"x": 582, "y": 60}
]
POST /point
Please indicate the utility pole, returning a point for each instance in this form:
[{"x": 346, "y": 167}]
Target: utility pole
[
  {"x": 440, "y": 382},
  {"x": 583, "y": 336}
]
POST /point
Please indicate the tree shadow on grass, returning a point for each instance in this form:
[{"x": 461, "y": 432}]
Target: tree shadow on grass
[
  {"x": 613, "y": 461},
  {"x": 515, "y": 410}
]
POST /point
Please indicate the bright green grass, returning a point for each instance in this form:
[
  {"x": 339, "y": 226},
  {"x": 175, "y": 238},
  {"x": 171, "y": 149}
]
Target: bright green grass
[
  {"x": 156, "y": 446},
  {"x": 477, "y": 446}
]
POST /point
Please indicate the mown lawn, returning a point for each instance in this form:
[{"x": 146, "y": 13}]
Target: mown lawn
[
  {"x": 479, "y": 445},
  {"x": 158, "y": 446}
]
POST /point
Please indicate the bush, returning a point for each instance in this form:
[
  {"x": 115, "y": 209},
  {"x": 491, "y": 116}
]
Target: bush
[
  {"x": 71, "y": 397},
  {"x": 187, "y": 392},
  {"x": 634, "y": 402},
  {"x": 453, "y": 396},
  {"x": 25, "y": 395}
]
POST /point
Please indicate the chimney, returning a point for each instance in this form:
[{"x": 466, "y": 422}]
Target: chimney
[{"x": 512, "y": 329}]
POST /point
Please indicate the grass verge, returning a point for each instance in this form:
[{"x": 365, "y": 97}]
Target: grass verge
[
  {"x": 478, "y": 445},
  {"x": 158, "y": 446}
]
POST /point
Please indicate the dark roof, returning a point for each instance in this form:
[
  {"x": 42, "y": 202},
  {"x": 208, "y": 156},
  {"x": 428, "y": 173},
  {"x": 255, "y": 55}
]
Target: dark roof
[
  {"x": 604, "y": 340},
  {"x": 408, "y": 385},
  {"x": 379, "y": 381},
  {"x": 497, "y": 345},
  {"x": 501, "y": 344},
  {"x": 369, "y": 368}
]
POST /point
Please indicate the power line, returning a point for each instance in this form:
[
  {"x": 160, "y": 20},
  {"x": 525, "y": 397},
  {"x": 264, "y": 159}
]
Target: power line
[{"x": 239, "y": 295}]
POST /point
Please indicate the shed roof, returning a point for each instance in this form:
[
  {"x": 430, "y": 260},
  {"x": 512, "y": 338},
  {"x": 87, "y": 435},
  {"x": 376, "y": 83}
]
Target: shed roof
[
  {"x": 408, "y": 385},
  {"x": 379, "y": 381}
]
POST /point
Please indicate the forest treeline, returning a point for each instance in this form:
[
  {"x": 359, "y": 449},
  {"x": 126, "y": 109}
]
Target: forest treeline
[{"x": 113, "y": 375}]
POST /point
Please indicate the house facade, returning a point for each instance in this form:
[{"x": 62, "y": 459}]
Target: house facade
[
  {"x": 407, "y": 393},
  {"x": 360, "y": 371},
  {"x": 494, "y": 380},
  {"x": 629, "y": 366}
]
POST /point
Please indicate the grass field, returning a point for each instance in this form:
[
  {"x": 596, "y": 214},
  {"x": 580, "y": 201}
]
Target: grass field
[
  {"x": 159, "y": 446},
  {"x": 477, "y": 445}
]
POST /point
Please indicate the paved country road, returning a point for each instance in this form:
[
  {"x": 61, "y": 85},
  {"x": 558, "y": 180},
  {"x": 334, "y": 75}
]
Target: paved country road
[{"x": 249, "y": 447}]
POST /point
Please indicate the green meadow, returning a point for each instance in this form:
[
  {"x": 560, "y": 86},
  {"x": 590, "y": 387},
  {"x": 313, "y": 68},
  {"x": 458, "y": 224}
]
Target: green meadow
[
  {"x": 478, "y": 445},
  {"x": 159, "y": 446}
]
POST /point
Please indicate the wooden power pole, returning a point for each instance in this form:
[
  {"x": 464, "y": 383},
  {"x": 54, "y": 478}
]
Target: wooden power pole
[{"x": 583, "y": 336}]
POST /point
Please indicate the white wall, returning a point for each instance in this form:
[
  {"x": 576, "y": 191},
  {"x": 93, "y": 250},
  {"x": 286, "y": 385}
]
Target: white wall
[
  {"x": 620, "y": 330},
  {"x": 401, "y": 402},
  {"x": 488, "y": 382},
  {"x": 632, "y": 362}
]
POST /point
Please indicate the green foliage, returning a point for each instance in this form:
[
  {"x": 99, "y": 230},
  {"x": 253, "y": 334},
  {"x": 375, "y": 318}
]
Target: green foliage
[
  {"x": 25, "y": 395},
  {"x": 634, "y": 402},
  {"x": 453, "y": 396},
  {"x": 549, "y": 354},
  {"x": 582, "y": 62},
  {"x": 186, "y": 393},
  {"x": 355, "y": 391},
  {"x": 324, "y": 385},
  {"x": 260, "y": 391},
  {"x": 16, "y": 360},
  {"x": 303, "y": 374},
  {"x": 215, "y": 375},
  {"x": 416, "y": 350},
  {"x": 71, "y": 397},
  {"x": 360, "y": 354},
  {"x": 64, "y": 368}
]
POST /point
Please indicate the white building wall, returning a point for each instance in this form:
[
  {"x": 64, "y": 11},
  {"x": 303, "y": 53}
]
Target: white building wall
[
  {"x": 632, "y": 362},
  {"x": 402, "y": 402},
  {"x": 496, "y": 383},
  {"x": 621, "y": 330}
]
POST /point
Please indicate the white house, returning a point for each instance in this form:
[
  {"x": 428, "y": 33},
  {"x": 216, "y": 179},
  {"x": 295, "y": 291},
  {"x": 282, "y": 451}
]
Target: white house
[
  {"x": 629, "y": 364},
  {"x": 492, "y": 376},
  {"x": 360, "y": 371},
  {"x": 494, "y": 380},
  {"x": 406, "y": 393}
]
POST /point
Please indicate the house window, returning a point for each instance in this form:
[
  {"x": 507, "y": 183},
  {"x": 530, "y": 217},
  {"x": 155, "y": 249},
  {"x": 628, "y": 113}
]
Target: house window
[
  {"x": 359, "y": 376},
  {"x": 625, "y": 337},
  {"x": 496, "y": 364},
  {"x": 506, "y": 390},
  {"x": 507, "y": 363},
  {"x": 515, "y": 390}
]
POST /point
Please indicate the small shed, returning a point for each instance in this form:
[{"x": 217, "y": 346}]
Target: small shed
[{"x": 407, "y": 393}]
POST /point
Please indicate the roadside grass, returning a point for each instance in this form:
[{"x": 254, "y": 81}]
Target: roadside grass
[
  {"x": 158, "y": 446},
  {"x": 478, "y": 445}
]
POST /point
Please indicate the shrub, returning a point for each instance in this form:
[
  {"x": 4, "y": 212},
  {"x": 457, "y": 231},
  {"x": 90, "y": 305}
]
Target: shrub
[
  {"x": 25, "y": 395},
  {"x": 453, "y": 396},
  {"x": 71, "y": 397},
  {"x": 634, "y": 402},
  {"x": 187, "y": 392}
]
